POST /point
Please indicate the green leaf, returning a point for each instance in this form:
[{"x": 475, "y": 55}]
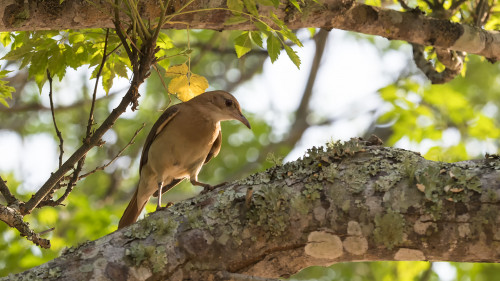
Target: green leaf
[
  {"x": 5, "y": 38},
  {"x": 273, "y": 47},
  {"x": 263, "y": 28},
  {"x": 108, "y": 74},
  {"x": 292, "y": 55},
  {"x": 242, "y": 44},
  {"x": 256, "y": 38},
  {"x": 285, "y": 31},
  {"x": 164, "y": 41},
  {"x": 251, "y": 7},
  {"x": 312, "y": 31},
  {"x": 296, "y": 5},
  {"x": 235, "y": 20},
  {"x": 5, "y": 91},
  {"x": 38, "y": 68},
  {"x": 57, "y": 62},
  {"x": 18, "y": 53},
  {"x": 235, "y": 5}
]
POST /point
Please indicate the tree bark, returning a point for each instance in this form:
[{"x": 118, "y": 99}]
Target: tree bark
[
  {"x": 349, "y": 15},
  {"x": 348, "y": 202}
]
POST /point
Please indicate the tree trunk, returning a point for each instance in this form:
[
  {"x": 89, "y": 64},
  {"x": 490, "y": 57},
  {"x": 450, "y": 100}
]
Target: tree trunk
[
  {"x": 348, "y": 202},
  {"x": 412, "y": 26}
]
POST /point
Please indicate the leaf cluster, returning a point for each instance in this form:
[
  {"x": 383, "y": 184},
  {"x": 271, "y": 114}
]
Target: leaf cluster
[{"x": 270, "y": 27}]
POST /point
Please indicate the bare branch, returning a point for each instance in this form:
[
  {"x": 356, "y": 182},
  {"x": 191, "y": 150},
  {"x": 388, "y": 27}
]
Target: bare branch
[
  {"x": 12, "y": 218},
  {"x": 100, "y": 168},
  {"x": 404, "y": 5},
  {"x": 4, "y": 189},
  {"x": 59, "y": 135},
  {"x": 456, "y": 4}
]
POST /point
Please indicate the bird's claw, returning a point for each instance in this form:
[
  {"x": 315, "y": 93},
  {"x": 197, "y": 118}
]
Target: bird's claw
[
  {"x": 160, "y": 208},
  {"x": 208, "y": 188}
]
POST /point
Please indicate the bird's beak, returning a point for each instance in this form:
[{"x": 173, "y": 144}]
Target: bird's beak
[{"x": 243, "y": 120}]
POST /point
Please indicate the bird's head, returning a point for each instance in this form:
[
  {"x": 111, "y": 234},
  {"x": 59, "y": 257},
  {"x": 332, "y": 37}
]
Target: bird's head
[{"x": 223, "y": 106}]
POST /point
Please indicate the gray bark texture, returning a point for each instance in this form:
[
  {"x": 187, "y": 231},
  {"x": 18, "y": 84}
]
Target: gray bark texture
[
  {"x": 412, "y": 26},
  {"x": 348, "y": 202}
]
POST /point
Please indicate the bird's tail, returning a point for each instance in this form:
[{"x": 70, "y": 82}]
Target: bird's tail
[{"x": 132, "y": 212}]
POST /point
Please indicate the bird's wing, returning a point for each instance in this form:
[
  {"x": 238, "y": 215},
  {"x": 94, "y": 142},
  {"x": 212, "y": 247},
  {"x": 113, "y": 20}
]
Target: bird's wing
[
  {"x": 160, "y": 124},
  {"x": 215, "y": 147}
]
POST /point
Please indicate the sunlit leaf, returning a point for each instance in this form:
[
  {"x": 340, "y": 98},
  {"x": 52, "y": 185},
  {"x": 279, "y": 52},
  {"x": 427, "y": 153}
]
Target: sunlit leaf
[
  {"x": 242, "y": 44},
  {"x": 295, "y": 4},
  {"x": 292, "y": 55},
  {"x": 273, "y": 47},
  {"x": 235, "y": 5},
  {"x": 184, "y": 84},
  {"x": 5, "y": 38},
  {"x": 256, "y": 38},
  {"x": 251, "y": 7},
  {"x": 235, "y": 20}
]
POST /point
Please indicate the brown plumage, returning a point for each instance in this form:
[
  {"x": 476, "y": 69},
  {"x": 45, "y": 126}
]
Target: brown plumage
[{"x": 186, "y": 136}]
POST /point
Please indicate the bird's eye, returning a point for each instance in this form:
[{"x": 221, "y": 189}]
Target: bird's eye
[{"x": 229, "y": 103}]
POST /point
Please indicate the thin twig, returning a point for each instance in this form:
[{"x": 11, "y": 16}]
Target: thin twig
[
  {"x": 90, "y": 123},
  {"x": 100, "y": 168},
  {"x": 456, "y": 4},
  {"x": 4, "y": 189},
  {"x": 119, "y": 32},
  {"x": 59, "y": 135},
  {"x": 404, "y": 5},
  {"x": 164, "y": 84},
  {"x": 46, "y": 231}
]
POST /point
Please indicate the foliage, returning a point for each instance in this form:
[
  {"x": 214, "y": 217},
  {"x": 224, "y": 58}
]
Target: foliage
[
  {"x": 449, "y": 117},
  {"x": 5, "y": 91}
]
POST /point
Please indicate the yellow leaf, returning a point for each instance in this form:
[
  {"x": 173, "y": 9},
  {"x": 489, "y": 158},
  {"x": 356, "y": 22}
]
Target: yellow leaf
[
  {"x": 187, "y": 89},
  {"x": 184, "y": 84},
  {"x": 177, "y": 70}
]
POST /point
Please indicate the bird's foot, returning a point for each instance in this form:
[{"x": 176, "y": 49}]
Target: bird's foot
[
  {"x": 207, "y": 188},
  {"x": 169, "y": 204}
]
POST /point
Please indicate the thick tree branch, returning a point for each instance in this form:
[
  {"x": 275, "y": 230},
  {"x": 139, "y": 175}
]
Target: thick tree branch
[
  {"x": 206, "y": 14},
  {"x": 351, "y": 202}
]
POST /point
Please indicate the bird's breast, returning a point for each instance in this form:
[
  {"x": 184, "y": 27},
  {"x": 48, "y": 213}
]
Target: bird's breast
[{"x": 182, "y": 145}]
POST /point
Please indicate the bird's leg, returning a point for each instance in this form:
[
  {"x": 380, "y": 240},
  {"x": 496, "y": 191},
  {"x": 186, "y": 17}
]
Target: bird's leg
[
  {"x": 206, "y": 187},
  {"x": 160, "y": 185}
]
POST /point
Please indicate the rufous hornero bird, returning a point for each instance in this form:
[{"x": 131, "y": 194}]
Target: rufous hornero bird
[{"x": 185, "y": 137}]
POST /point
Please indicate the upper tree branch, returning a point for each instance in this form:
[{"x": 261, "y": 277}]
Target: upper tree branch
[{"x": 348, "y": 15}]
